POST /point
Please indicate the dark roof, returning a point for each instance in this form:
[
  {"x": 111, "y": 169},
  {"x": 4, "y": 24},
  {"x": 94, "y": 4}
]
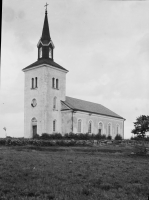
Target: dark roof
[
  {"x": 86, "y": 106},
  {"x": 45, "y": 61},
  {"x": 45, "y": 38}
]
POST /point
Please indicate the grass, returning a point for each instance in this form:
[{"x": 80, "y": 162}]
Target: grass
[{"x": 72, "y": 173}]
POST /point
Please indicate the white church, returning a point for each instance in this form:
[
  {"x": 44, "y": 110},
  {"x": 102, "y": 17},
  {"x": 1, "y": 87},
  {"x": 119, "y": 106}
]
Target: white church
[{"x": 47, "y": 109}]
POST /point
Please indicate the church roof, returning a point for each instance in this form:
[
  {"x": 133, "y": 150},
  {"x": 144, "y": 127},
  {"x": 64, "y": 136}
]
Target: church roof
[
  {"x": 86, "y": 106},
  {"x": 45, "y": 61}
]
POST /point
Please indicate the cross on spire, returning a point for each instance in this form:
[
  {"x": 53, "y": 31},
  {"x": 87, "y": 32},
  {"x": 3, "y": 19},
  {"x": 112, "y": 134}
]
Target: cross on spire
[{"x": 46, "y": 7}]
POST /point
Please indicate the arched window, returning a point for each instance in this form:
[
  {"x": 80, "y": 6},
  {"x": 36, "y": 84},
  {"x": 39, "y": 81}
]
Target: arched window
[
  {"x": 109, "y": 129},
  {"x": 40, "y": 52},
  {"x": 90, "y": 126},
  {"x": 54, "y": 103},
  {"x": 32, "y": 83},
  {"x": 117, "y": 129},
  {"x": 56, "y": 83},
  {"x": 54, "y": 125},
  {"x": 53, "y": 82},
  {"x": 34, "y": 119},
  {"x": 36, "y": 82},
  {"x": 100, "y": 130},
  {"x": 79, "y": 125}
]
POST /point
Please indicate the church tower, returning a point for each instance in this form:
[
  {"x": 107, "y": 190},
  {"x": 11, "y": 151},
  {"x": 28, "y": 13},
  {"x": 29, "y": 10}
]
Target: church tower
[{"x": 45, "y": 87}]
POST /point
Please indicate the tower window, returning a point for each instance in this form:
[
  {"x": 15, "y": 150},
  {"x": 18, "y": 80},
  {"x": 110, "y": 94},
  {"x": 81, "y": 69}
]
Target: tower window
[
  {"x": 79, "y": 125},
  {"x": 32, "y": 83},
  {"x": 56, "y": 83},
  {"x": 53, "y": 82},
  {"x": 40, "y": 52},
  {"x": 36, "y": 82},
  {"x": 50, "y": 53},
  {"x": 54, "y": 125},
  {"x": 54, "y": 103}
]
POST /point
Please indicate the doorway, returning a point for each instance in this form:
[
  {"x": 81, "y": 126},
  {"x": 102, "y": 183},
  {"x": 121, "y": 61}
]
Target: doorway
[
  {"x": 34, "y": 130},
  {"x": 34, "y": 127}
]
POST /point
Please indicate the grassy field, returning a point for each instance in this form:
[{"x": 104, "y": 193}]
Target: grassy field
[{"x": 73, "y": 173}]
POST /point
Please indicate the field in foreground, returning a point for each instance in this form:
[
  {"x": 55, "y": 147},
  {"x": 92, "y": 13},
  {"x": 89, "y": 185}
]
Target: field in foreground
[{"x": 72, "y": 173}]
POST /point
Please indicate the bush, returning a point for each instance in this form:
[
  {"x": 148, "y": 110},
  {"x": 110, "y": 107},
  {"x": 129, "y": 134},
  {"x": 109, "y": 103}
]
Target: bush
[
  {"x": 118, "y": 137},
  {"x": 2, "y": 141},
  {"x": 99, "y": 136},
  {"x": 37, "y": 136},
  {"x": 56, "y": 136},
  {"x": 109, "y": 137},
  {"x": 84, "y": 136},
  {"x": 78, "y": 136},
  {"x": 45, "y": 136}
]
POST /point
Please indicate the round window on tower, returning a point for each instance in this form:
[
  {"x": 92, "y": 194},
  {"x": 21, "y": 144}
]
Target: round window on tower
[{"x": 33, "y": 103}]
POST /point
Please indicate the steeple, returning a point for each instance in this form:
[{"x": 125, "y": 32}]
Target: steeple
[
  {"x": 45, "y": 38},
  {"x": 45, "y": 45}
]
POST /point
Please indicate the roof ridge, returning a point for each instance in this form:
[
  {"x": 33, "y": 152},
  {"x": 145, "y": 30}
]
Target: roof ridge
[{"x": 86, "y": 101}]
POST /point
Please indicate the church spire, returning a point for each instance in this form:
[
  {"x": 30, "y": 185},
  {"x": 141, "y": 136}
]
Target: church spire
[
  {"x": 45, "y": 32},
  {"x": 45, "y": 44}
]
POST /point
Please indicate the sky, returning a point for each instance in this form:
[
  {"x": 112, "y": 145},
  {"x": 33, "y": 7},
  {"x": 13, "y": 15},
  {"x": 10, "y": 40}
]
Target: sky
[{"x": 103, "y": 44}]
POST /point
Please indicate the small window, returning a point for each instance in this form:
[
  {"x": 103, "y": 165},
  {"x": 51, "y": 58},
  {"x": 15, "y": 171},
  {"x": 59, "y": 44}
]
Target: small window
[
  {"x": 56, "y": 83},
  {"x": 90, "y": 127},
  {"x": 53, "y": 82},
  {"x": 36, "y": 82},
  {"x": 79, "y": 125},
  {"x": 54, "y": 103},
  {"x": 54, "y": 125},
  {"x": 40, "y": 52},
  {"x": 32, "y": 83}
]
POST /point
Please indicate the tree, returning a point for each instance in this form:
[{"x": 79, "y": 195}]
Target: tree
[{"x": 141, "y": 126}]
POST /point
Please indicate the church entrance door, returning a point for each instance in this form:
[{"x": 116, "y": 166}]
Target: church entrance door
[
  {"x": 34, "y": 127},
  {"x": 34, "y": 130}
]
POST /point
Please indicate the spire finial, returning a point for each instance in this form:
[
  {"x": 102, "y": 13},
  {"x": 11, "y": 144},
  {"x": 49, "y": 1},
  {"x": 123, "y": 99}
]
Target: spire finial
[{"x": 46, "y": 7}]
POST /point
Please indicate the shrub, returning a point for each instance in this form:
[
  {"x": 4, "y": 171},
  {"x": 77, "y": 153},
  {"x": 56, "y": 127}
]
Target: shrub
[
  {"x": 69, "y": 136},
  {"x": 118, "y": 137},
  {"x": 37, "y": 136},
  {"x": 45, "y": 136},
  {"x": 2, "y": 141},
  {"x": 109, "y": 137},
  {"x": 84, "y": 136},
  {"x": 56, "y": 136},
  {"x": 99, "y": 136}
]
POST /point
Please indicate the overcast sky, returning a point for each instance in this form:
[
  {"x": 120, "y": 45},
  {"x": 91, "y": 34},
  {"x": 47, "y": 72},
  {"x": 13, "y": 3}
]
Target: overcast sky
[{"x": 103, "y": 44}]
